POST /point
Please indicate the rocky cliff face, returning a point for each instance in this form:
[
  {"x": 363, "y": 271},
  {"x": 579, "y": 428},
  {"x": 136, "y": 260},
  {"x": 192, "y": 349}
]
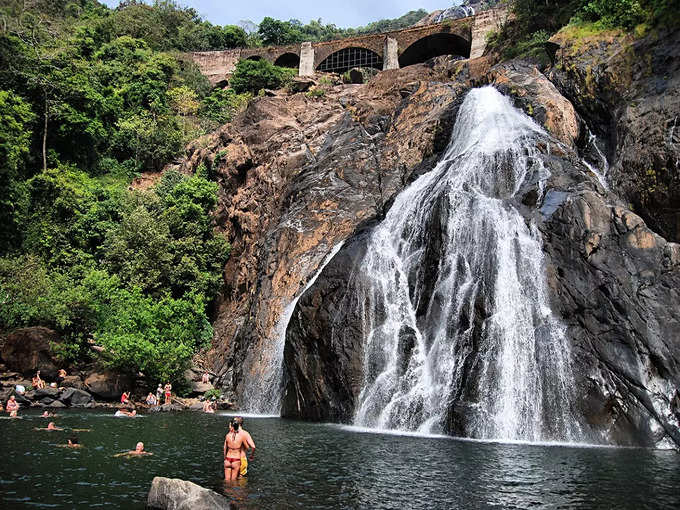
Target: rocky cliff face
[
  {"x": 613, "y": 280},
  {"x": 298, "y": 175}
]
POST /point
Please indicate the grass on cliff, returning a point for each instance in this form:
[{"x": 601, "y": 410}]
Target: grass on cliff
[{"x": 536, "y": 21}]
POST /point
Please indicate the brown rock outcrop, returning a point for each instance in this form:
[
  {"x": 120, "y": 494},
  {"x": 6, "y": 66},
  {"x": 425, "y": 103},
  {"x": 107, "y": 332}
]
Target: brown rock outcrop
[
  {"x": 29, "y": 349},
  {"x": 297, "y": 175}
]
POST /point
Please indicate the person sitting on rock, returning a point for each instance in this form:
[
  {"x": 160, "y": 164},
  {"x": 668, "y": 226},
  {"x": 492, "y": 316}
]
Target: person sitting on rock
[
  {"x": 37, "y": 382},
  {"x": 125, "y": 412},
  {"x": 151, "y": 399},
  {"x": 125, "y": 397},
  {"x": 208, "y": 407},
  {"x": 61, "y": 376},
  {"x": 168, "y": 392},
  {"x": 12, "y": 407},
  {"x": 139, "y": 450},
  {"x": 206, "y": 378}
]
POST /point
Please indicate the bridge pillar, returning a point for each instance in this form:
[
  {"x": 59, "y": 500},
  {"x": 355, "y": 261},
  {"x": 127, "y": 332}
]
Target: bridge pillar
[
  {"x": 390, "y": 54},
  {"x": 306, "y": 59}
]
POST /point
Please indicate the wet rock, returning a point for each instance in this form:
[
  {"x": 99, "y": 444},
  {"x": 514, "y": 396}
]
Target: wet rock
[
  {"x": 539, "y": 98},
  {"x": 27, "y": 350},
  {"x": 107, "y": 384},
  {"x": 628, "y": 92},
  {"x": 297, "y": 176},
  {"x": 75, "y": 397},
  {"x": 57, "y": 404},
  {"x": 176, "y": 494},
  {"x": 45, "y": 392},
  {"x": 198, "y": 388},
  {"x": 613, "y": 282},
  {"x": 73, "y": 381}
]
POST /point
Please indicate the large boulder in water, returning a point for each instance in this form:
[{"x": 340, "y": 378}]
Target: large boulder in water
[
  {"x": 75, "y": 397},
  {"x": 107, "y": 384},
  {"x": 176, "y": 494},
  {"x": 27, "y": 350}
]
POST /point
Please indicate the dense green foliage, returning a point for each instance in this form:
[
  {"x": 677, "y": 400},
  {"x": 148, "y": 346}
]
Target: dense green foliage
[
  {"x": 536, "y": 20},
  {"x": 253, "y": 75},
  {"x": 90, "y": 97}
]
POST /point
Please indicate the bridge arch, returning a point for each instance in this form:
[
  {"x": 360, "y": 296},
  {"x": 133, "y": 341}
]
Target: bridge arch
[
  {"x": 254, "y": 57},
  {"x": 349, "y": 58},
  {"x": 434, "y": 45},
  {"x": 288, "y": 60}
]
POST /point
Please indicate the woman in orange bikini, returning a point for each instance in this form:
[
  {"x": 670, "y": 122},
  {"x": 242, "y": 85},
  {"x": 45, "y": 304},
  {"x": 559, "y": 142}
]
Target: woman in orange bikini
[{"x": 232, "y": 451}]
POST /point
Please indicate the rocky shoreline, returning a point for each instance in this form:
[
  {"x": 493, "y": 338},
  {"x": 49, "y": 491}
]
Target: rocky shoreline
[{"x": 28, "y": 350}]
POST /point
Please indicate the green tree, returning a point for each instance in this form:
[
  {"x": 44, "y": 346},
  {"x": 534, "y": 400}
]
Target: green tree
[
  {"x": 276, "y": 32},
  {"x": 253, "y": 75}
]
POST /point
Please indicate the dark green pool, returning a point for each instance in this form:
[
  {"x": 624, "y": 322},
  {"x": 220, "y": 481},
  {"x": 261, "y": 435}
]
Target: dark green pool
[{"x": 301, "y": 465}]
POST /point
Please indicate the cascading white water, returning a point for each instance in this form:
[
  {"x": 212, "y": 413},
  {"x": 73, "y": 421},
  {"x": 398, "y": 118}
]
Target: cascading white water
[
  {"x": 262, "y": 386},
  {"x": 432, "y": 302},
  {"x": 600, "y": 168}
]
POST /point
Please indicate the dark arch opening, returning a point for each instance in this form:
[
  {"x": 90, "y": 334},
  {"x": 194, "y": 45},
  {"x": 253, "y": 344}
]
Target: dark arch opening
[
  {"x": 288, "y": 60},
  {"x": 349, "y": 58},
  {"x": 433, "y": 46},
  {"x": 254, "y": 57}
]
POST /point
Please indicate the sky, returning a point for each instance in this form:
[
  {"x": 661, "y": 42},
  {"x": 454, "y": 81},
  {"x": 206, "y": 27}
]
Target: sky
[{"x": 344, "y": 13}]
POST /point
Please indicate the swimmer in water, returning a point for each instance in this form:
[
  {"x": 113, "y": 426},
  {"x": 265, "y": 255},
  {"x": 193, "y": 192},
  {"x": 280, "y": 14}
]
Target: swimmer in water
[
  {"x": 125, "y": 413},
  {"x": 48, "y": 415},
  {"x": 50, "y": 426},
  {"x": 139, "y": 450},
  {"x": 208, "y": 407},
  {"x": 71, "y": 442}
]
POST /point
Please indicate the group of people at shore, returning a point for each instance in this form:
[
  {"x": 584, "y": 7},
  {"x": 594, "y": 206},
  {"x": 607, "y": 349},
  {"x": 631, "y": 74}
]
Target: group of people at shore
[{"x": 237, "y": 441}]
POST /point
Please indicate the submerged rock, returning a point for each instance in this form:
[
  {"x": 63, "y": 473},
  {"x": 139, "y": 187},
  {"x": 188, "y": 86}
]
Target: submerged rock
[{"x": 176, "y": 494}]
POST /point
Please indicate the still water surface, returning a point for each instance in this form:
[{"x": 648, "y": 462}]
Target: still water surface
[{"x": 301, "y": 465}]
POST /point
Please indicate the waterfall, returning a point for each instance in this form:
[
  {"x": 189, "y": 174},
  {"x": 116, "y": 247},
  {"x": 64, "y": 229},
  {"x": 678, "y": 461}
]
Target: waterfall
[
  {"x": 453, "y": 284},
  {"x": 600, "y": 168},
  {"x": 262, "y": 387}
]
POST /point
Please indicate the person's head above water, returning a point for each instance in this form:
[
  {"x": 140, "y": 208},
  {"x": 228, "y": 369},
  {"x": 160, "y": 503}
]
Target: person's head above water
[
  {"x": 73, "y": 440},
  {"x": 51, "y": 425},
  {"x": 139, "y": 447},
  {"x": 235, "y": 425}
]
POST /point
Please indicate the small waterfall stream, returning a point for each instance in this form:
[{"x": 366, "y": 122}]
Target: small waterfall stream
[
  {"x": 470, "y": 299},
  {"x": 263, "y": 387}
]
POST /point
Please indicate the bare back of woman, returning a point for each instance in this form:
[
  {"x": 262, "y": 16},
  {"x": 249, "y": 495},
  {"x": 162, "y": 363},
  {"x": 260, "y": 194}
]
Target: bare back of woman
[{"x": 232, "y": 452}]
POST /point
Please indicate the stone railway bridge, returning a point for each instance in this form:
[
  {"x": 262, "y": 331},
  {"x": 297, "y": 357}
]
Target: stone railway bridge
[{"x": 465, "y": 37}]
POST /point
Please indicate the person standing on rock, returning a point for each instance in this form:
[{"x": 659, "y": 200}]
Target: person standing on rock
[
  {"x": 159, "y": 392},
  {"x": 248, "y": 444},
  {"x": 12, "y": 407},
  {"x": 168, "y": 392},
  {"x": 206, "y": 378}
]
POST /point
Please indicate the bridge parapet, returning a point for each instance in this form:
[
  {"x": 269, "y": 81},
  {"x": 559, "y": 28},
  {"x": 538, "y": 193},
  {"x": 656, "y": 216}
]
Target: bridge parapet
[{"x": 390, "y": 50}]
